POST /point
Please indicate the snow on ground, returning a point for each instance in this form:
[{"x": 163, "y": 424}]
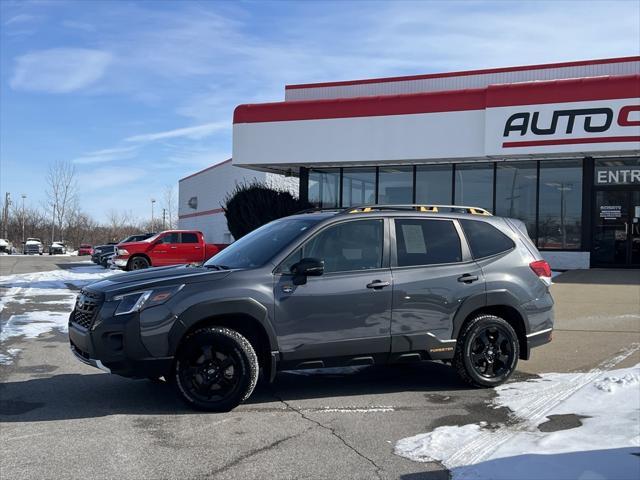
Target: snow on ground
[
  {"x": 605, "y": 446},
  {"x": 44, "y": 300}
]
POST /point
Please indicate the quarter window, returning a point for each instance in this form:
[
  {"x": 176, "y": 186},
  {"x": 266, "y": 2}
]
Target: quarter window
[
  {"x": 426, "y": 242},
  {"x": 484, "y": 239},
  {"x": 348, "y": 246}
]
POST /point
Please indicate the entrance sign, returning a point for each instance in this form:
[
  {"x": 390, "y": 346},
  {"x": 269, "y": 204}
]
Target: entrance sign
[{"x": 617, "y": 175}]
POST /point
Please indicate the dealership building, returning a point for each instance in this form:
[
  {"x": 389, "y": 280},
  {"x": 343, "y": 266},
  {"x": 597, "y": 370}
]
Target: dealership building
[{"x": 555, "y": 145}]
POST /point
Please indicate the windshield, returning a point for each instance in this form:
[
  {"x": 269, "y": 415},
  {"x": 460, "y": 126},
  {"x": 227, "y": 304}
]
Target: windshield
[{"x": 258, "y": 247}]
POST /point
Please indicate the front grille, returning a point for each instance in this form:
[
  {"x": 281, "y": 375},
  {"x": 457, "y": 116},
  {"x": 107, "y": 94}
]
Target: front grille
[{"x": 87, "y": 305}]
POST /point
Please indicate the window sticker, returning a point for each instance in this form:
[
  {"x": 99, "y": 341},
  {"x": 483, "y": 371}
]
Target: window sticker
[{"x": 414, "y": 239}]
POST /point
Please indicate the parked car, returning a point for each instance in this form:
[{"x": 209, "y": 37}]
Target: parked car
[
  {"x": 57, "y": 248},
  {"x": 85, "y": 249},
  {"x": 362, "y": 286},
  {"x": 101, "y": 250},
  {"x": 172, "y": 247},
  {"x": 138, "y": 237},
  {"x": 6, "y": 246},
  {"x": 33, "y": 246}
]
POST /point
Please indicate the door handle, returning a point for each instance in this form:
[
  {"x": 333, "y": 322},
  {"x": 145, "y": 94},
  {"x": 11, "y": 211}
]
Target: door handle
[
  {"x": 377, "y": 284},
  {"x": 173, "y": 247},
  {"x": 197, "y": 248},
  {"x": 468, "y": 278}
]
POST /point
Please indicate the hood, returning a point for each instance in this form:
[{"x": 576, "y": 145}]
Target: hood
[
  {"x": 32, "y": 242},
  {"x": 134, "y": 246},
  {"x": 153, "y": 277}
]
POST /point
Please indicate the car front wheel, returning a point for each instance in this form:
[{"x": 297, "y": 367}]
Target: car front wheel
[
  {"x": 216, "y": 369},
  {"x": 487, "y": 351},
  {"x": 138, "y": 263}
]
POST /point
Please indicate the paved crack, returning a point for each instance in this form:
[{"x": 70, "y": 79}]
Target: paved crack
[
  {"x": 378, "y": 469},
  {"x": 249, "y": 454}
]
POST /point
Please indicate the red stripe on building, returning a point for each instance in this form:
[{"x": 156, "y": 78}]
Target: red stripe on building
[
  {"x": 571, "y": 141},
  {"x": 556, "y": 91},
  {"x": 465, "y": 73},
  {"x": 201, "y": 214},
  {"x": 206, "y": 169}
]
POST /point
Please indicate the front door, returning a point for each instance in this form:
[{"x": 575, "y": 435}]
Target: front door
[
  {"x": 345, "y": 312},
  {"x": 616, "y": 241}
]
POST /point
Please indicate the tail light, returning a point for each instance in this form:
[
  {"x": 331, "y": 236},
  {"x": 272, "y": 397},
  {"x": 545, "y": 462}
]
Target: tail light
[{"x": 541, "y": 268}]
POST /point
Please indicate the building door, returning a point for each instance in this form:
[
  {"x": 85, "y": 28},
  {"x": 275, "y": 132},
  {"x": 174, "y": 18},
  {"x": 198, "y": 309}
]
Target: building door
[{"x": 616, "y": 236}]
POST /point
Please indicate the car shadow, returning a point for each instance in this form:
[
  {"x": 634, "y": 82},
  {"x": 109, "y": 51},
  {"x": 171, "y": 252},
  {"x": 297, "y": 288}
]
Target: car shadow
[{"x": 74, "y": 396}]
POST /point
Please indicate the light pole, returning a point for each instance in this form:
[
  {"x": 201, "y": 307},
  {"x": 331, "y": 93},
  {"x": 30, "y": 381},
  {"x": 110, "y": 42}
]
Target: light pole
[
  {"x": 23, "y": 197},
  {"x": 153, "y": 201}
]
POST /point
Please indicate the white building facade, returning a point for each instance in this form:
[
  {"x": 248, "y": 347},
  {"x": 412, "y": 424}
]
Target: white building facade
[
  {"x": 201, "y": 196},
  {"x": 556, "y": 145}
]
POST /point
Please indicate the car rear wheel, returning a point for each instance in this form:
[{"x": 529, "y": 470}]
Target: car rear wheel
[
  {"x": 216, "y": 369},
  {"x": 487, "y": 351},
  {"x": 138, "y": 263}
]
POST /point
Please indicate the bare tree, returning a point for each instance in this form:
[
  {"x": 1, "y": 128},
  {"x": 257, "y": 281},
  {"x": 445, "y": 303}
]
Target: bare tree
[
  {"x": 61, "y": 191},
  {"x": 169, "y": 203}
]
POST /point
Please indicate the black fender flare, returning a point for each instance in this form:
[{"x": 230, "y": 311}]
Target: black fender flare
[
  {"x": 491, "y": 298},
  {"x": 221, "y": 307}
]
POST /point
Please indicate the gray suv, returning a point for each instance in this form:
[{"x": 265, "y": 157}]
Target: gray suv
[{"x": 362, "y": 286}]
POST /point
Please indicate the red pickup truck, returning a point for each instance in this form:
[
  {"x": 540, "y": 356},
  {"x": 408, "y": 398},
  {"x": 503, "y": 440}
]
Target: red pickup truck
[{"x": 171, "y": 247}]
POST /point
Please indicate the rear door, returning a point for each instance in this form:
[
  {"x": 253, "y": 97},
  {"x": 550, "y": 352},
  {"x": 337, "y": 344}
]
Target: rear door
[
  {"x": 190, "y": 248},
  {"x": 433, "y": 274}
]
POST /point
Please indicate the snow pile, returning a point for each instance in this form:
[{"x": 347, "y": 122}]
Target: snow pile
[
  {"x": 604, "y": 443},
  {"x": 7, "y": 358},
  {"x": 42, "y": 316}
]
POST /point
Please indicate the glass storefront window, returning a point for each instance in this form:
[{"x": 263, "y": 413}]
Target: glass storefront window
[
  {"x": 474, "y": 185},
  {"x": 433, "y": 184},
  {"x": 358, "y": 186},
  {"x": 324, "y": 186},
  {"x": 516, "y": 192},
  {"x": 560, "y": 210},
  {"x": 395, "y": 185}
]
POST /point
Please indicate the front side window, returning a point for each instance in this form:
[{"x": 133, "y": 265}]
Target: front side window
[
  {"x": 426, "y": 242},
  {"x": 170, "y": 238},
  {"x": 347, "y": 246},
  {"x": 485, "y": 239}
]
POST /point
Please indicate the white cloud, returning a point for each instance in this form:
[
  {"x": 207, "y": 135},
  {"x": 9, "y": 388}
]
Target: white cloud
[
  {"x": 194, "y": 133},
  {"x": 21, "y": 19},
  {"x": 86, "y": 27},
  {"x": 59, "y": 70},
  {"x": 106, "y": 177},
  {"x": 107, "y": 155}
]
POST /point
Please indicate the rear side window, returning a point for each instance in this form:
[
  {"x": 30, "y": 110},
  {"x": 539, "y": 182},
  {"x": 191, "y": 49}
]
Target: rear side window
[
  {"x": 189, "y": 238},
  {"x": 484, "y": 239},
  {"x": 426, "y": 242}
]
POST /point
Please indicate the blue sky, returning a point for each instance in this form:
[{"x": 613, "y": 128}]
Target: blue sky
[{"x": 140, "y": 94}]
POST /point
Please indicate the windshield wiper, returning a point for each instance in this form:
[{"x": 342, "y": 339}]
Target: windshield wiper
[{"x": 217, "y": 267}]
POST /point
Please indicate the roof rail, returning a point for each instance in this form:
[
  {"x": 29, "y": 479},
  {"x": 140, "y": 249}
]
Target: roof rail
[{"x": 418, "y": 208}]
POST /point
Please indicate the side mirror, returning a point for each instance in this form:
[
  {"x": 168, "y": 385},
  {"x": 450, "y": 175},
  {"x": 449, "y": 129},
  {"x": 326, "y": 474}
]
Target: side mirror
[{"x": 308, "y": 267}]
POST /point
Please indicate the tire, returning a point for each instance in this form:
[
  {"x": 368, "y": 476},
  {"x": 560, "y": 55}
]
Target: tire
[
  {"x": 487, "y": 351},
  {"x": 138, "y": 263},
  {"x": 216, "y": 369}
]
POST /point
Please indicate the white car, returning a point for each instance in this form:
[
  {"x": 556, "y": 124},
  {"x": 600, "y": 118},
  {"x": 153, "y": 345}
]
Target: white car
[
  {"x": 33, "y": 246},
  {"x": 6, "y": 247},
  {"x": 57, "y": 248}
]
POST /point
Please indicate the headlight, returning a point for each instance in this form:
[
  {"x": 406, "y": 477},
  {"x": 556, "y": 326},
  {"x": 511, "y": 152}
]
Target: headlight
[
  {"x": 122, "y": 251},
  {"x": 134, "y": 302}
]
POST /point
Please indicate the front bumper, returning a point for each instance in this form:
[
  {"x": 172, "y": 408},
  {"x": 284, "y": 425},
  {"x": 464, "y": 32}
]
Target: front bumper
[
  {"x": 113, "y": 344},
  {"x": 120, "y": 262}
]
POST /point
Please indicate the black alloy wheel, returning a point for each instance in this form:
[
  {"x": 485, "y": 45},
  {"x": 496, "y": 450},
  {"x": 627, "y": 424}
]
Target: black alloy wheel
[
  {"x": 216, "y": 369},
  {"x": 487, "y": 351}
]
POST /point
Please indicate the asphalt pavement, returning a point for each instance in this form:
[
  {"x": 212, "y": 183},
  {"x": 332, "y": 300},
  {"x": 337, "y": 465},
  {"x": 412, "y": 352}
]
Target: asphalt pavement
[{"x": 62, "y": 419}]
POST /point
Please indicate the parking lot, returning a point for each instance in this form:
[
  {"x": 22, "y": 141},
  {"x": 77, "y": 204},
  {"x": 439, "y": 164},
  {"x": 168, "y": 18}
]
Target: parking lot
[{"x": 62, "y": 419}]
